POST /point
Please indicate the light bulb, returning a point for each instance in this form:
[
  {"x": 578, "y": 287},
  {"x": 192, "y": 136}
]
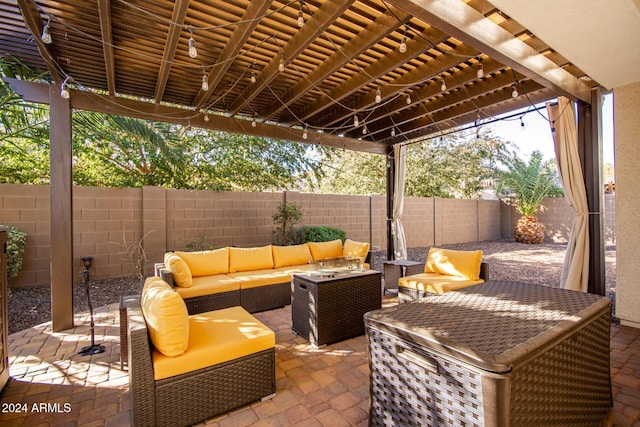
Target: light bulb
[
  {"x": 378, "y": 96},
  {"x": 356, "y": 122},
  {"x": 206, "y": 117},
  {"x": 480, "y": 73},
  {"x": 205, "y": 83},
  {"x": 443, "y": 86},
  {"x": 64, "y": 90},
  {"x": 364, "y": 129},
  {"x": 193, "y": 52},
  {"x": 281, "y": 65},
  {"x": 408, "y": 99},
  {"x": 253, "y": 123},
  {"x": 253, "y": 77},
  {"x": 46, "y": 34},
  {"x": 305, "y": 134},
  {"x": 393, "y": 131},
  {"x": 514, "y": 92},
  {"x": 300, "y": 18},
  {"x": 522, "y": 124},
  {"x": 403, "y": 45}
]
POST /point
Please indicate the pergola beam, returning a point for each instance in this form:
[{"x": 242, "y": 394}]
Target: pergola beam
[
  {"x": 32, "y": 19},
  {"x": 177, "y": 19},
  {"x": 377, "y": 30},
  {"x": 415, "y": 48},
  {"x": 322, "y": 19},
  {"x": 231, "y": 49},
  {"x": 461, "y": 21},
  {"x": 82, "y": 100},
  {"x": 104, "y": 12}
]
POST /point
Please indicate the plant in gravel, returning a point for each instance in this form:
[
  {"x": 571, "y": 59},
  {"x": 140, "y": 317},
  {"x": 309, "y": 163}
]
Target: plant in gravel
[
  {"x": 524, "y": 186},
  {"x": 199, "y": 244},
  {"x": 16, "y": 242},
  {"x": 135, "y": 253},
  {"x": 286, "y": 216}
]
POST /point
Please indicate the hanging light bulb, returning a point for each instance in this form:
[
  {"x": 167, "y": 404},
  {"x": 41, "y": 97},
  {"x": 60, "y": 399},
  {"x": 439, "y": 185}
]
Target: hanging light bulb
[
  {"x": 253, "y": 77},
  {"x": 46, "y": 34},
  {"x": 393, "y": 131},
  {"x": 408, "y": 99},
  {"x": 378, "y": 96},
  {"x": 281, "y": 65},
  {"x": 443, "y": 86},
  {"x": 206, "y": 117},
  {"x": 193, "y": 52},
  {"x": 105, "y": 120},
  {"x": 205, "y": 82},
  {"x": 300, "y": 15},
  {"x": 356, "y": 122},
  {"x": 364, "y": 129},
  {"x": 514, "y": 91},
  {"x": 403, "y": 43},
  {"x": 64, "y": 89},
  {"x": 253, "y": 122},
  {"x": 522, "y": 124},
  {"x": 305, "y": 133},
  {"x": 480, "y": 72}
]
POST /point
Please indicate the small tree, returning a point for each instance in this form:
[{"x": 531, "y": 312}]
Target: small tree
[
  {"x": 524, "y": 186},
  {"x": 286, "y": 216}
]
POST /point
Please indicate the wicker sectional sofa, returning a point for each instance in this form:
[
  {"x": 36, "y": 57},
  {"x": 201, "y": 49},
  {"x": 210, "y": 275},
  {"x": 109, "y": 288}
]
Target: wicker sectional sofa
[
  {"x": 185, "y": 368},
  {"x": 445, "y": 270},
  {"x": 257, "y": 279}
]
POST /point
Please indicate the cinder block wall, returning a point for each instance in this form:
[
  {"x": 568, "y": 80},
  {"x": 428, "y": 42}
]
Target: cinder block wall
[{"x": 169, "y": 219}]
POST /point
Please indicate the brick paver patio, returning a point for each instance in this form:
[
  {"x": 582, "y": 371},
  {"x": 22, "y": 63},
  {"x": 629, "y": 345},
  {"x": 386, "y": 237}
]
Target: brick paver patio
[{"x": 53, "y": 386}]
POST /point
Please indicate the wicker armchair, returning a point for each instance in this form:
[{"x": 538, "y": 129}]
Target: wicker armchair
[
  {"x": 409, "y": 294},
  {"x": 194, "y": 396}
]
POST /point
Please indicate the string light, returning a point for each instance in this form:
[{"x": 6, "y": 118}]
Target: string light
[
  {"x": 356, "y": 122},
  {"x": 253, "y": 122},
  {"x": 378, "y": 96},
  {"x": 393, "y": 131},
  {"x": 443, "y": 85},
  {"x": 514, "y": 91},
  {"x": 253, "y": 77},
  {"x": 522, "y": 124},
  {"x": 305, "y": 133},
  {"x": 205, "y": 82},
  {"x": 281, "y": 65},
  {"x": 403, "y": 43},
  {"x": 408, "y": 99},
  {"x": 105, "y": 120},
  {"x": 364, "y": 129},
  {"x": 206, "y": 117},
  {"x": 300, "y": 15},
  {"x": 480, "y": 72},
  {"x": 193, "y": 52},
  {"x": 64, "y": 89},
  {"x": 46, "y": 33}
]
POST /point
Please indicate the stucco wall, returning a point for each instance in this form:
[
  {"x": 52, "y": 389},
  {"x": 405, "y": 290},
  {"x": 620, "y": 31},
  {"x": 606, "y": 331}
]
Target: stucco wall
[{"x": 627, "y": 154}]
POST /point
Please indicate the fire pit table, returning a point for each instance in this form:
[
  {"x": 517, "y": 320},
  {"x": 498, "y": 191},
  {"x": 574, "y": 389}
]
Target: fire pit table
[
  {"x": 495, "y": 354},
  {"x": 328, "y": 307}
]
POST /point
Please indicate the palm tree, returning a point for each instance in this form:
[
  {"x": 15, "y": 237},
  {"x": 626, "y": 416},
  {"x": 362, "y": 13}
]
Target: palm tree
[{"x": 524, "y": 186}]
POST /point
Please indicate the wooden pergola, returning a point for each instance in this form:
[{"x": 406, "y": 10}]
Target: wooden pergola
[{"x": 358, "y": 74}]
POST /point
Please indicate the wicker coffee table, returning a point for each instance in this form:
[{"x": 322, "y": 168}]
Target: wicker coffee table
[
  {"x": 494, "y": 354},
  {"x": 330, "y": 308}
]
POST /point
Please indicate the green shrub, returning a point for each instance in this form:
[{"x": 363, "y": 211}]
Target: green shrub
[
  {"x": 322, "y": 233},
  {"x": 16, "y": 242}
]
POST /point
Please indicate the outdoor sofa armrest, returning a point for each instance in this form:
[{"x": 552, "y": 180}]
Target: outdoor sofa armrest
[
  {"x": 163, "y": 272},
  {"x": 141, "y": 381}
]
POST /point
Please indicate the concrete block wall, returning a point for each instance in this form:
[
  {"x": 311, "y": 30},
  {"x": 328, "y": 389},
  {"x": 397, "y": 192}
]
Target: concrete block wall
[{"x": 170, "y": 219}]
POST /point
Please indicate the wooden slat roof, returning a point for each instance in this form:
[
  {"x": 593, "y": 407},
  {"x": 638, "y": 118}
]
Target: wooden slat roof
[{"x": 131, "y": 57}]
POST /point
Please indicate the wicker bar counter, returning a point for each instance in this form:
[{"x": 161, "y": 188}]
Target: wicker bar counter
[
  {"x": 330, "y": 308},
  {"x": 495, "y": 354}
]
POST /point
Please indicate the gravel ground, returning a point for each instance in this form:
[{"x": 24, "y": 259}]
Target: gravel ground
[{"x": 537, "y": 264}]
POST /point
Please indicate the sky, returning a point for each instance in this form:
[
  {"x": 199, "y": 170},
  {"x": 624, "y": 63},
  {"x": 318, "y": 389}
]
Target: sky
[{"x": 536, "y": 133}]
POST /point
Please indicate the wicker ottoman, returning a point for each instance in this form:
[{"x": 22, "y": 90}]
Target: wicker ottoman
[
  {"x": 330, "y": 309},
  {"x": 495, "y": 354}
]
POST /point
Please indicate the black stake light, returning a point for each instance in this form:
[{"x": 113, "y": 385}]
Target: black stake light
[{"x": 93, "y": 348}]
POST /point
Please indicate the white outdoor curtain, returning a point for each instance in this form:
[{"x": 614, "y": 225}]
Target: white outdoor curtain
[
  {"x": 397, "y": 229},
  {"x": 575, "y": 270}
]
